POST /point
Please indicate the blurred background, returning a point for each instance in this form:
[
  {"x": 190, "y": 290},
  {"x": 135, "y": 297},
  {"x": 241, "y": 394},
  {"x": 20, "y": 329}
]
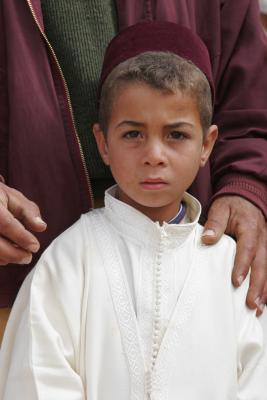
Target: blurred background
[{"x": 263, "y": 8}]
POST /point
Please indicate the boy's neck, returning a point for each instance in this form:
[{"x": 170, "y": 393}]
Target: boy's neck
[
  {"x": 156, "y": 214},
  {"x": 180, "y": 216}
]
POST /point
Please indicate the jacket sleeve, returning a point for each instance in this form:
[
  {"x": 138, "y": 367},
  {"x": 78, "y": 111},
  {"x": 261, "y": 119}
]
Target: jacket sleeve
[
  {"x": 239, "y": 158},
  {"x": 3, "y": 100},
  {"x": 40, "y": 357}
]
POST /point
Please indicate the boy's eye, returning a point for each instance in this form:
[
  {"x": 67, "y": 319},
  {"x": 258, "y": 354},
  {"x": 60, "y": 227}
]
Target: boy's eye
[
  {"x": 177, "y": 135},
  {"x": 132, "y": 135}
]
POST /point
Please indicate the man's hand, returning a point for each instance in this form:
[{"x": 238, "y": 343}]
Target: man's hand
[
  {"x": 239, "y": 218},
  {"x": 18, "y": 215}
]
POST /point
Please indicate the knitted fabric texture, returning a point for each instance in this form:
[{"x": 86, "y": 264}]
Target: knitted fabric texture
[{"x": 79, "y": 32}]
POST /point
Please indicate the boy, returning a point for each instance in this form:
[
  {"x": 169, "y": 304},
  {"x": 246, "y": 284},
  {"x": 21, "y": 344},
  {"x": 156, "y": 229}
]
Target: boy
[{"x": 127, "y": 303}]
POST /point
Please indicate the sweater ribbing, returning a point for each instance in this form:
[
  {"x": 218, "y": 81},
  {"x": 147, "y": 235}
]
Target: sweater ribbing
[{"x": 79, "y": 33}]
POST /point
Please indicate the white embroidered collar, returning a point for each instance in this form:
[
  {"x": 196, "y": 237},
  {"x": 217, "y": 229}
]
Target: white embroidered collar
[{"x": 138, "y": 227}]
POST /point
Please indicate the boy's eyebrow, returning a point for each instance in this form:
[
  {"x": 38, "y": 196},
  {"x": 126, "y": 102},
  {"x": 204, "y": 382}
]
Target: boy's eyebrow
[
  {"x": 134, "y": 123},
  {"x": 173, "y": 125},
  {"x": 179, "y": 124}
]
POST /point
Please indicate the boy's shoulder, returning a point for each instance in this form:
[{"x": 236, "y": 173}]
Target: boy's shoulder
[
  {"x": 221, "y": 255},
  {"x": 66, "y": 264},
  {"x": 70, "y": 246},
  {"x": 79, "y": 230},
  {"x": 225, "y": 241},
  {"x": 217, "y": 262}
]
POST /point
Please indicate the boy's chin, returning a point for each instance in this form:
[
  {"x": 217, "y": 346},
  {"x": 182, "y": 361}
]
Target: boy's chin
[
  {"x": 153, "y": 204},
  {"x": 153, "y": 200}
]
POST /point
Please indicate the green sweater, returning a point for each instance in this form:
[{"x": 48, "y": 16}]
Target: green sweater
[{"x": 79, "y": 32}]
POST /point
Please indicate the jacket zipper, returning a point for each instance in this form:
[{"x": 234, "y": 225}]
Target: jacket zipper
[{"x": 69, "y": 102}]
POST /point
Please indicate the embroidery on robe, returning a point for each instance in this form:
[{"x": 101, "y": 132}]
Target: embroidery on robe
[
  {"x": 176, "y": 329},
  {"x": 123, "y": 306}
]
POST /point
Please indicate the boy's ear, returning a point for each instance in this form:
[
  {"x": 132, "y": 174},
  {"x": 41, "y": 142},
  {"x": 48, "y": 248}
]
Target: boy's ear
[
  {"x": 101, "y": 143},
  {"x": 208, "y": 143}
]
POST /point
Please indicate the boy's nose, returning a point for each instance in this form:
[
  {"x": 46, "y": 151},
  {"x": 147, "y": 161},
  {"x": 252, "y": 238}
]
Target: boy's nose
[{"x": 154, "y": 154}]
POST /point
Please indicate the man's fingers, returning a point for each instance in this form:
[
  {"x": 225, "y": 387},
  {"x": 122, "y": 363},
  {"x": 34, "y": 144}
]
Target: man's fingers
[
  {"x": 12, "y": 254},
  {"x": 256, "y": 296},
  {"x": 18, "y": 215},
  {"x": 217, "y": 222},
  {"x": 14, "y": 232},
  {"x": 264, "y": 294},
  {"x": 25, "y": 211},
  {"x": 245, "y": 222},
  {"x": 256, "y": 288},
  {"x": 246, "y": 249}
]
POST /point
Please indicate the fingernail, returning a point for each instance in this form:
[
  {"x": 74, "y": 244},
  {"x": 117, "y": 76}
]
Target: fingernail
[
  {"x": 258, "y": 302},
  {"x": 240, "y": 279},
  {"x": 33, "y": 247},
  {"x": 261, "y": 307},
  {"x": 39, "y": 220},
  {"x": 208, "y": 232},
  {"x": 25, "y": 260}
]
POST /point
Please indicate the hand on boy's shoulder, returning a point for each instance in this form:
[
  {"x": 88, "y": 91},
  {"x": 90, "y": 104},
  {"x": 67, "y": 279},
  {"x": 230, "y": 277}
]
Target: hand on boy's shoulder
[
  {"x": 239, "y": 218},
  {"x": 19, "y": 217}
]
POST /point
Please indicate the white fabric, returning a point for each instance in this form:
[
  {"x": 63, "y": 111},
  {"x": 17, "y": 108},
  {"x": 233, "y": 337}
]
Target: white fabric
[
  {"x": 113, "y": 287},
  {"x": 263, "y": 6}
]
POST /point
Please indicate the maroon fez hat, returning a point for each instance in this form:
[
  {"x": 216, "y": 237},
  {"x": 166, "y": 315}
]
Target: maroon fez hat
[{"x": 156, "y": 36}]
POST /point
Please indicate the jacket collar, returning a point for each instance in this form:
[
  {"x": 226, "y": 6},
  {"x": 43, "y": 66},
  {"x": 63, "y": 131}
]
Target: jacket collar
[{"x": 36, "y": 10}]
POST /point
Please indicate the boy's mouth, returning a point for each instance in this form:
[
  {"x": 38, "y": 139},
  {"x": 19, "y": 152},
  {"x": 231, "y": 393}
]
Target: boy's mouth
[{"x": 153, "y": 183}]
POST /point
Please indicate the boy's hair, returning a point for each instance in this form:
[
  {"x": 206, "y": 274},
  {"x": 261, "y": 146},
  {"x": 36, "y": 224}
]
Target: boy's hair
[{"x": 163, "y": 71}]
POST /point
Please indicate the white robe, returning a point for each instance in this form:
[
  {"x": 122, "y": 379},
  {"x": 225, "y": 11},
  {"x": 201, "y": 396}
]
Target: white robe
[{"x": 119, "y": 308}]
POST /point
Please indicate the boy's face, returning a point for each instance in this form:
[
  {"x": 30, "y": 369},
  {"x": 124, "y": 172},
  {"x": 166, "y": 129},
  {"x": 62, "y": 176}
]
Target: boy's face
[{"x": 154, "y": 147}]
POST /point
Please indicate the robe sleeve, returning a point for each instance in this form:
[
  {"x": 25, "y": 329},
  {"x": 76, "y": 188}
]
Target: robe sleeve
[
  {"x": 41, "y": 355},
  {"x": 252, "y": 353},
  {"x": 239, "y": 158}
]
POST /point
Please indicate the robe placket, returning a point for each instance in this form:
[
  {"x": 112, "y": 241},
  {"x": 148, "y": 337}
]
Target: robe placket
[
  {"x": 156, "y": 387},
  {"x": 175, "y": 334}
]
